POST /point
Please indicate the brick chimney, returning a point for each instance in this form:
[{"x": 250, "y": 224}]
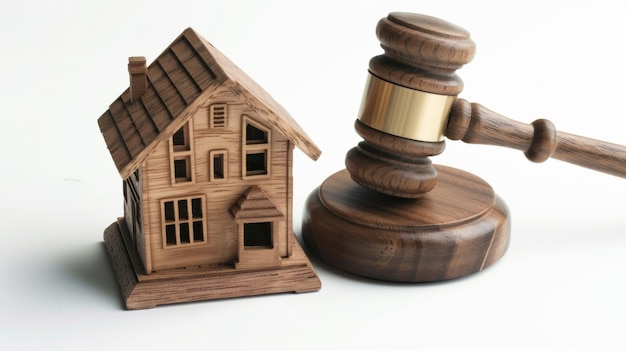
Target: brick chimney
[{"x": 137, "y": 73}]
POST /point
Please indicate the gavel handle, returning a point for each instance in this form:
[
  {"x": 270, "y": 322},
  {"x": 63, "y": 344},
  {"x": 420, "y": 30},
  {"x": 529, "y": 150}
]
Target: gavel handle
[{"x": 473, "y": 123}]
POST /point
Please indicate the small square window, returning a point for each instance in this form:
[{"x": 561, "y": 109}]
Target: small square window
[
  {"x": 256, "y": 163},
  {"x": 182, "y": 169},
  {"x": 257, "y": 235}
]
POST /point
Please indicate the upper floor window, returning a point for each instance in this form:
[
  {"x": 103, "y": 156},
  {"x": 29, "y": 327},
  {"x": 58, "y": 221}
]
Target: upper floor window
[
  {"x": 181, "y": 156},
  {"x": 218, "y": 165},
  {"x": 256, "y": 149},
  {"x": 257, "y": 235}
]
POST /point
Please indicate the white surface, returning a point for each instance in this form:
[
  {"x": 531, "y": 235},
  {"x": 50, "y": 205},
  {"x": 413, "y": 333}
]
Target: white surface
[{"x": 562, "y": 284}]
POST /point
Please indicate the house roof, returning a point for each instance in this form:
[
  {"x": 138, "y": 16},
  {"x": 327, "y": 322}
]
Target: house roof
[{"x": 187, "y": 69}]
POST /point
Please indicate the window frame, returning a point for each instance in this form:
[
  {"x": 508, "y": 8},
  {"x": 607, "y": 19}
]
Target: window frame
[
  {"x": 184, "y": 152},
  {"x": 177, "y": 222},
  {"x": 255, "y": 147},
  {"x": 213, "y": 154},
  {"x": 265, "y": 228}
]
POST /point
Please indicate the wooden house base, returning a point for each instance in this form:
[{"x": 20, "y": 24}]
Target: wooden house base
[{"x": 140, "y": 290}]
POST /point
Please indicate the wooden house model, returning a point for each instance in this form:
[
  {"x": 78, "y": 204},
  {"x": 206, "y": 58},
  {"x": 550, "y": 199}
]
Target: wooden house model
[{"x": 205, "y": 155}]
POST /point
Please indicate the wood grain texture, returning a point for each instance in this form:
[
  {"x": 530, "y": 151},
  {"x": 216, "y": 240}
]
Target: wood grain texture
[
  {"x": 421, "y": 53},
  {"x": 221, "y": 235},
  {"x": 384, "y": 67},
  {"x": 399, "y": 146},
  {"x": 425, "y": 42},
  {"x": 392, "y": 165},
  {"x": 183, "y": 83},
  {"x": 459, "y": 228},
  {"x": 140, "y": 291},
  {"x": 178, "y": 82},
  {"x": 473, "y": 123}
]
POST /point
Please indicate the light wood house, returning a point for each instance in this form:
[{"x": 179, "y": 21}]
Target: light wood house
[{"x": 205, "y": 155}]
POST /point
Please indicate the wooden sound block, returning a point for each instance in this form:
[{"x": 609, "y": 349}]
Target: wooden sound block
[{"x": 458, "y": 228}]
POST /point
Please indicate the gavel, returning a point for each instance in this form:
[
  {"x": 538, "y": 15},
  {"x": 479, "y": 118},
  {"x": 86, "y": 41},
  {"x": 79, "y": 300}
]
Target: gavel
[
  {"x": 410, "y": 104},
  {"x": 391, "y": 214}
]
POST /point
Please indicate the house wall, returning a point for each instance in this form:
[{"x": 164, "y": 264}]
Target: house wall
[
  {"x": 221, "y": 232},
  {"x": 133, "y": 214}
]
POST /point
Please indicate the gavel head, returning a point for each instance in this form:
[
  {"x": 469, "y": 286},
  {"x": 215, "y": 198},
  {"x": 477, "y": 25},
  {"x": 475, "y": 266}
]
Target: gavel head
[{"x": 408, "y": 96}]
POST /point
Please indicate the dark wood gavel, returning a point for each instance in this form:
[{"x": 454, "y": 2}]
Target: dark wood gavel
[
  {"x": 410, "y": 104},
  {"x": 440, "y": 222}
]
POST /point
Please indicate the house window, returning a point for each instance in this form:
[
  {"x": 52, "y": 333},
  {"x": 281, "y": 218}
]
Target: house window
[
  {"x": 217, "y": 115},
  {"x": 256, "y": 149},
  {"x": 182, "y": 169},
  {"x": 255, "y": 135},
  {"x": 218, "y": 161},
  {"x": 183, "y": 221},
  {"x": 257, "y": 235},
  {"x": 256, "y": 163},
  {"x": 181, "y": 156},
  {"x": 180, "y": 140}
]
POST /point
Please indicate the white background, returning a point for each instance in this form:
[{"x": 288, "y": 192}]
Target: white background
[{"x": 561, "y": 285}]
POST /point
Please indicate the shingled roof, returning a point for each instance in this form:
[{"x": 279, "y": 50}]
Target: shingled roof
[{"x": 189, "y": 68}]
